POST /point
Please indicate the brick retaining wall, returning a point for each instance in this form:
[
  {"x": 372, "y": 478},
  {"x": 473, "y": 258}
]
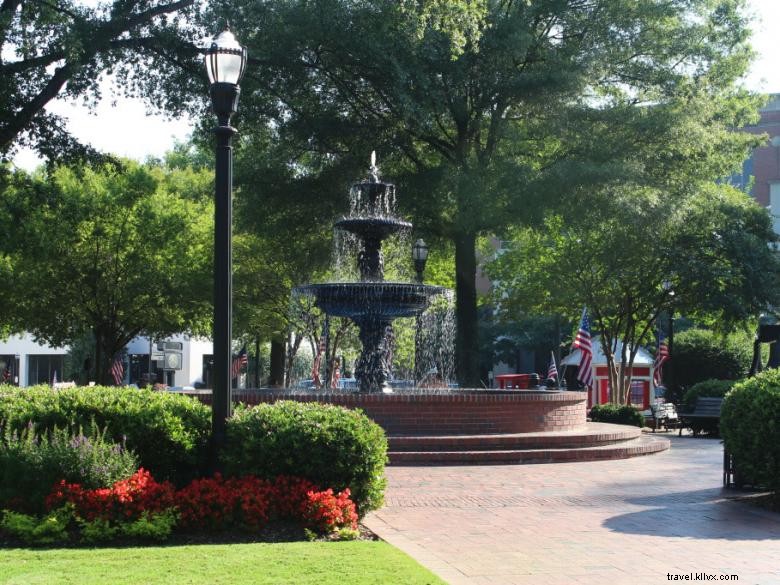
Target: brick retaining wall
[{"x": 460, "y": 412}]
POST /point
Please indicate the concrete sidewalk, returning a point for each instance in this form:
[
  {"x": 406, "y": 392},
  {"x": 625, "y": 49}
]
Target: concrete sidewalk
[{"x": 633, "y": 521}]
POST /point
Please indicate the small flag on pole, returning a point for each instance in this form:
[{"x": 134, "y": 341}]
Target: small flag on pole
[
  {"x": 552, "y": 370},
  {"x": 336, "y": 373},
  {"x": 582, "y": 341},
  {"x": 239, "y": 363},
  {"x": 117, "y": 369},
  {"x": 661, "y": 356}
]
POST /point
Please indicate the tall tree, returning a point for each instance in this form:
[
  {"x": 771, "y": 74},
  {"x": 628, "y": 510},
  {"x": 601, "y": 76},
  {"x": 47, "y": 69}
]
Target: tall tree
[
  {"x": 489, "y": 110},
  {"x": 710, "y": 248},
  {"x": 65, "y": 48},
  {"x": 108, "y": 252}
]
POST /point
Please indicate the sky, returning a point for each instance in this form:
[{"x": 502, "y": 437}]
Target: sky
[{"x": 132, "y": 127}]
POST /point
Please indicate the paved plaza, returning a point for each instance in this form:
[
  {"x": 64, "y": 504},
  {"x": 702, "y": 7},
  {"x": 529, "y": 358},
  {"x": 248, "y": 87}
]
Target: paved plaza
[{"x": 633, "y": 521}]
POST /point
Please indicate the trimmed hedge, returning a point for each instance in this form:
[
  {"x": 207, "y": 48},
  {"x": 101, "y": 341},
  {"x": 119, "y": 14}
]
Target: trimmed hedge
[
  {"x": 707, "y": 388},
  {"x": 617, "y": 414},
  {"x": 168, "y": 432},
  {"x": 750, "y": 427},
  {"x": 329, "y": 445}
]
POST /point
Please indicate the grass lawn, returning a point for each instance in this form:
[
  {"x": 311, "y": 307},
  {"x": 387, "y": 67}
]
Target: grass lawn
[{"x": 320, "y": 563}]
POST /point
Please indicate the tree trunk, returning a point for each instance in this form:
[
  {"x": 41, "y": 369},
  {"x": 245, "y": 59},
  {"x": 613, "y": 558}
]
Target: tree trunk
[
  {"x": 257, "y": 362},
  {"x": 467, "y": 339},
  {"x": 276, "y": 376}
]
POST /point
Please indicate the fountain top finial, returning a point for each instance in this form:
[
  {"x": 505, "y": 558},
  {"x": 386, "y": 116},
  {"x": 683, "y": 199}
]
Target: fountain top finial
[{"x": 373, "y": 170}]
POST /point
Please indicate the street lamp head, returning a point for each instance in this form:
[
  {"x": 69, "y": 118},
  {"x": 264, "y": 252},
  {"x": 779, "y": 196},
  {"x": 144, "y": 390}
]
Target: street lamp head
[
  {"x": 225, "y": 59},
  {"x": 420, "y": 251},
  {"x": 420, "y": 257},
  {"x": 225, "y": 62}
]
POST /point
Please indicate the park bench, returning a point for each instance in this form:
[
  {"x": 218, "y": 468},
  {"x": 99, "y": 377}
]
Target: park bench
[
  {"x": 705, "y": 415},
  {"x": 664, "y": 415}
]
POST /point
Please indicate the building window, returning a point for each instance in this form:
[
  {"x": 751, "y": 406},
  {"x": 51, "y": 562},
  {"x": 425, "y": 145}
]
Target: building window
[
  {"x": 638, "y": 393},
  {"x": 208, "y": 370},
  {"x": 43, "y": 369},
  {"x": 9, "y": 369}
]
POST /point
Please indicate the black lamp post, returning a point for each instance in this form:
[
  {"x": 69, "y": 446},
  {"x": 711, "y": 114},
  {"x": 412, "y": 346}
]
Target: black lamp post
[
  {"x": 225, "y": 62},
  {"x": 420, "y": 257}
]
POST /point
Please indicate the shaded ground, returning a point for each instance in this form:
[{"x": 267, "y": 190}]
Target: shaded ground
[{"x": 637, "y": 520}]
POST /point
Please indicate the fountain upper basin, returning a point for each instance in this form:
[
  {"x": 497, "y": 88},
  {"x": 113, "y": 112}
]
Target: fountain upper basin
[
  {"x": 372, "y": 299},
  {"x": 373, "y": 227}
]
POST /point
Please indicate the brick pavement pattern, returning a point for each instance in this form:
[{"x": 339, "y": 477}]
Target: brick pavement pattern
[{"x": 629, "y": 521}]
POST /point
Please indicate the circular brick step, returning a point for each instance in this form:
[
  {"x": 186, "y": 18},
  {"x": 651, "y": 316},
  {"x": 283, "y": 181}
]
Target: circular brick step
[
  {"x": 592, "y": 435},
  {"x": 642, "y": 445}
]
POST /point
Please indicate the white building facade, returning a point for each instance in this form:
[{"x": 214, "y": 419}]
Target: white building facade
[{"x": 180, "y": 361}]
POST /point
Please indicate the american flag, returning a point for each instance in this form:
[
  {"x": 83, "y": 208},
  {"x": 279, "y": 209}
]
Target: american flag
[
  {"x": 552, "y": 370},
  {"x": 661, "y": 356},
  {"x": 7, "y": 372},
  {"x": 117, "y": 369},
  {"x": 239, "y": 363},
  {"x": 582, "y": 342},
  {"x": 315, "y": 367}
]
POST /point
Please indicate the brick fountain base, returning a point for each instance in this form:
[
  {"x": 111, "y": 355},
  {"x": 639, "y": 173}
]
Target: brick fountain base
[{"x": 478, "y": 426}]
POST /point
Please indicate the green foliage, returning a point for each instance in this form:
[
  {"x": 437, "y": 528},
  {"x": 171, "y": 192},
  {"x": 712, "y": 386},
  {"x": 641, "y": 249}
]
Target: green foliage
[
  {"x": 32, "y": 461},
  {"x": 749, "y": 427},
  {"x": 97, "y": 530},
  {"x": 328, "y": 445},
  {"x": 700, "y": 354},
  {"x": 617, "y": 414},
  {"x": 167, "y": 432},
  {"x": 68, "y": 48},
  {"x": 484, "y": 112},
  {"x": 110, "y": 253},
  {"x": 49, "y": 529},
  {"x": 709, "y": 388},
  {"x": 152, "y": 526},
  {"x": 709, "y": 243},
  {"x": 347, "y": 534}
]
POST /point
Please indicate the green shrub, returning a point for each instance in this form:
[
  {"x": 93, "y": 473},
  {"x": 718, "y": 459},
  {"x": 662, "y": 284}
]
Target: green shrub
[
  {"x": 707, "y": 388},
  {"x": 617, "y": 414},
  {"x": 48, "y": 529},
  {"x": 168, "y": 432},
  {"x": 31, "y": 463},
  {"x": 699, "y": 355},
  {"x": 97, "y": 530},
  {"x": 152, "y": 526},
  {"x": 750, "y": 427},
  {"x": 331, "y": 446}
]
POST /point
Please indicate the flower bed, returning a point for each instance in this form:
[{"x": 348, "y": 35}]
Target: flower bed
[{"x": 142, "y": 508}]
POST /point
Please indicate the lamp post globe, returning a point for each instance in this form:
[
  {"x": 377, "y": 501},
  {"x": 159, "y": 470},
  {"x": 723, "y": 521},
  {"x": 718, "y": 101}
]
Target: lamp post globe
[
  {"x": 420, "y": 257},
  {"x": 225, "y": 62}
]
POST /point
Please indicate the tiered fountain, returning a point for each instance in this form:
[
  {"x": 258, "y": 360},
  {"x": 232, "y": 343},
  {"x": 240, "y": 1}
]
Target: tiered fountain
[
  {"x": 372, "y": 303},
  {"x": 442, "y": 425}
]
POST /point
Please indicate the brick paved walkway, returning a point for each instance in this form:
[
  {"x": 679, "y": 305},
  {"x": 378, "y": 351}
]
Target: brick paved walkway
[{"x": 609, "y": 522}]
